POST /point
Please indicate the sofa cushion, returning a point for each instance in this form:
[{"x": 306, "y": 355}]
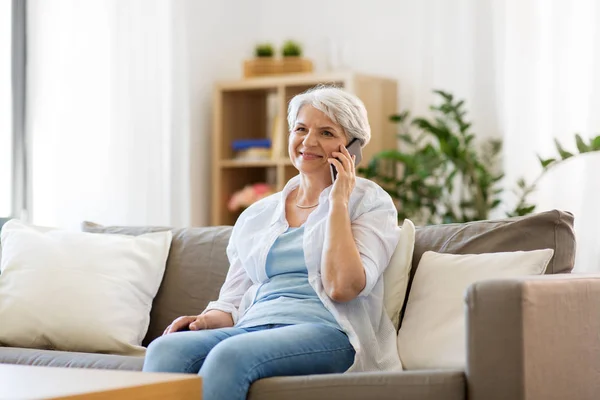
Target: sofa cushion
[
  {"x": 77, "y": 291},
  {"x": 52, "y": 358},
  {"x": 406, "y": 385},
  {"x": 439, "y": 340},
  {"x": 545, "y": 230},
  {"x": 395, "y": 276},
  {"x": 196, "y": 269}
]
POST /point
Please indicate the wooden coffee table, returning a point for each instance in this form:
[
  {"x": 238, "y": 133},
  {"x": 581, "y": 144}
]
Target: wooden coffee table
[{"x": 28, "y": 382}]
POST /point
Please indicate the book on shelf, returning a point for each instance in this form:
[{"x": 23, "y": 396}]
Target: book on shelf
[{"x": 252, "y": 149}]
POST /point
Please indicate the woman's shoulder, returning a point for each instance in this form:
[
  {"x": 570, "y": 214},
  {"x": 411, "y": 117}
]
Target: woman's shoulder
[
  {"x": 368, "y": 196},
  {"x": 367, "y": 187}
]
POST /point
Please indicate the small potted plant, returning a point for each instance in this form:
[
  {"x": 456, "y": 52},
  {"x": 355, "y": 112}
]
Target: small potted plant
[
  {"x": 292, "y": 61},
  {"x": 291, "y": 49},
  {"x": 263, "y": 62},
  {"x": 264, "y": 50}
]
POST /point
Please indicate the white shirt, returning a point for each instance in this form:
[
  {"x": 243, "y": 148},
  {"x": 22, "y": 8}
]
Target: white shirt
[{"x": 376, "y": 233}]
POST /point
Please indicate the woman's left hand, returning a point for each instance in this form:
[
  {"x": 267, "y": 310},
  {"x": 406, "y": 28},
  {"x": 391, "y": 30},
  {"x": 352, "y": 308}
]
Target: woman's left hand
[{"x": 343, "y": 161}]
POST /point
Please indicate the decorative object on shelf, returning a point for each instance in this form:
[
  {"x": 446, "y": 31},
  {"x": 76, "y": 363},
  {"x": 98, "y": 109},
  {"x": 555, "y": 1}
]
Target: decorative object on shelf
[
  {"x": 291, "y": 49},
  {"x": 252, "y": 149},
  {"x": 265, "y": 65},
  {"x": 445, "y": 177},
  {"x": 248, "y": 195},
  {"x": 264, "y": 50}
]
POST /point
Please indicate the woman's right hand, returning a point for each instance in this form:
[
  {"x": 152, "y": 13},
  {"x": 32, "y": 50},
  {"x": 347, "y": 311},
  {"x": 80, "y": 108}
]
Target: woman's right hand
[{"x": 188, "y": 322}]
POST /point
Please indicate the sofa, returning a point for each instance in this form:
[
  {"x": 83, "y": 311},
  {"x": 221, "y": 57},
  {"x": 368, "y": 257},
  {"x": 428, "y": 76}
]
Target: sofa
[{"x": 528, "y": 338}]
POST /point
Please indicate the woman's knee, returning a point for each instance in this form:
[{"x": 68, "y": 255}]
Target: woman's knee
[
  {"x": 229, "y": 355},
  {"x": 170, "y": 353}
]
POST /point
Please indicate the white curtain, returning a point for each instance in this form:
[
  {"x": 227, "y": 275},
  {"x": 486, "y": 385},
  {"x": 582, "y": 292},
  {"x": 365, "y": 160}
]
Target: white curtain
[
  {"x": 108, "y": 112},
  {"x": 548, "y": 78}
]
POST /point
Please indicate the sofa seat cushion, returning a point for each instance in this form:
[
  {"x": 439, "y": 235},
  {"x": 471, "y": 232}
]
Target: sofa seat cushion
[
  {"x": 406, "y": 385},
  {"x": 52, "y": 358}
]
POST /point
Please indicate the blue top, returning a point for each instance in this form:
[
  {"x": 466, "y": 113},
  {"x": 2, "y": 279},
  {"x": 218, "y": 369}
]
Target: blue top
[{"x": 286, "y": 297}]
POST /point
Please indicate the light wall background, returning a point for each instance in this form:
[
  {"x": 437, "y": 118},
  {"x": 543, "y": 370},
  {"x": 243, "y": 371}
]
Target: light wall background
[
  {"x": 120, "y": 91},
  {"x": 424, "y": 45}
]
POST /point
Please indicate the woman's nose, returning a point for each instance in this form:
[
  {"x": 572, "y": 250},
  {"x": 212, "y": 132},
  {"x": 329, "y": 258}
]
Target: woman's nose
[{"x": 310, "y": 139}]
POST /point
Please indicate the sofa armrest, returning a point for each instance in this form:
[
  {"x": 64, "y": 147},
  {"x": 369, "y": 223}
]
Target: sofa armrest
[{"x": 534, "y": 338}]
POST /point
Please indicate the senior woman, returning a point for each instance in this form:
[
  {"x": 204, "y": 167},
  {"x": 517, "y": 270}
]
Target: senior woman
[{"x": 304, "y": 291}]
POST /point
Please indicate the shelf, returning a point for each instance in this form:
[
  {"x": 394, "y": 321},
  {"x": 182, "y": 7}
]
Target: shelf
[{"x": 272, "y": 82}]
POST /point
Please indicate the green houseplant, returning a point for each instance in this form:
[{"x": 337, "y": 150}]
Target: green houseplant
[
  {"x": 264, "y": 50},
  {"x": 291, "y": 48},
  {"x": 446, "y": 175},
  {"x": 524, "y": 189}
]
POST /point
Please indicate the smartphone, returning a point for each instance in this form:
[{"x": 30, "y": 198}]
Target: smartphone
[{"x": 354, "y": 149}]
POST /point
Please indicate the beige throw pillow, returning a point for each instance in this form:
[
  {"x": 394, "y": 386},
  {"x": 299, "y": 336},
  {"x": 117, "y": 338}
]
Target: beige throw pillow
[
  {"x": 78, "y": 291},
  {"x": 395, "y": 276},
  {"x": 433, "y": 334}
]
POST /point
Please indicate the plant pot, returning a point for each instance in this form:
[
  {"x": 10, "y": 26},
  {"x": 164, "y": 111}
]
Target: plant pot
[
  {"x": 291, "y": 65},
  {"x": 276, "y": 66}
]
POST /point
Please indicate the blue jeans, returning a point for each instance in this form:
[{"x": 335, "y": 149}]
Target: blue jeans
[{"x": 229, "y": 360}]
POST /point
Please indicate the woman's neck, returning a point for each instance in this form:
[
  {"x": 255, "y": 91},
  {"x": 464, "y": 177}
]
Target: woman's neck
[{"x": 309, "y": 190}]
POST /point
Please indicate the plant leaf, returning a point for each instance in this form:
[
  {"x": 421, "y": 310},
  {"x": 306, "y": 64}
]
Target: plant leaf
[
  {"x": 563, "y": 153},
  {"x": 546, "y": 162},
  {"x": 525, "y": 210},
  {"x": 596, "y": 143},
  {"x": 495, "y": 204},
  {"x": 581, "y": 146},
  {"x": 406, "y": 138},
  {"x": 401, "y": 117}
]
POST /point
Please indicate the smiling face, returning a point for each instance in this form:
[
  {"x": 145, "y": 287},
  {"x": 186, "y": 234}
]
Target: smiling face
[{"x": 312, "y": 140}]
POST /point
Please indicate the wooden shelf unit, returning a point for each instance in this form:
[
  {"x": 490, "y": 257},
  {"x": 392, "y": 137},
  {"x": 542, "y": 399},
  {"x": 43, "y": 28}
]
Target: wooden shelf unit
[{"x": 241, "y": 112}]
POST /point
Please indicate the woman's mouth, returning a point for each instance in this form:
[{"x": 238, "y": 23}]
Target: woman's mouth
[{"x": 309, "y": 156}]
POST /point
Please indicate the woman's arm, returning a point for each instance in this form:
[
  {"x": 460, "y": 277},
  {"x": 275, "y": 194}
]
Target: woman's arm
[
  {"x": 342, "y": 274},
  {"x": 222, "y": 313},
  {"x": 356, "y": 252},
  {"x": 236, "y": 284}
]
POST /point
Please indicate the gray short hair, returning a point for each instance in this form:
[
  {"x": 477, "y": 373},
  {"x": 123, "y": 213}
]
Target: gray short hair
[{"x": 341, "y": 107}]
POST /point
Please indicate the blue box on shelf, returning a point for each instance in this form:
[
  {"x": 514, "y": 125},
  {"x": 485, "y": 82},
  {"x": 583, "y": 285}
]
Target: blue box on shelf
[{"x": 244, "y": 144}]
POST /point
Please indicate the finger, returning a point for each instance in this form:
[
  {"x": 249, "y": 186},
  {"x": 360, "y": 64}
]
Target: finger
[
  {"x": 346, "y": 160},
  {"x": 351, "y": 157},
  {"x": 180, "y": 323},
  {"x": 337, "y": 164},
  {"x": 198, "y": 324},
  {"x": 166, "y": 330},
  {"x": 345, "y": 151}
]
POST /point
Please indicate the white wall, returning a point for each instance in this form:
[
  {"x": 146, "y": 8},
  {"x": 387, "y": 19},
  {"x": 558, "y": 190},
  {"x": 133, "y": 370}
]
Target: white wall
[
  {"x": 220, "y": 33},
  {"x": 425, "y": 45}
]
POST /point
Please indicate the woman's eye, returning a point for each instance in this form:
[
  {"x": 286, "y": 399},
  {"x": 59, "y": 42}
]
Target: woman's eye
[
  {"x": 327, "y": 133},
  {"x": 299, "y": 129}
]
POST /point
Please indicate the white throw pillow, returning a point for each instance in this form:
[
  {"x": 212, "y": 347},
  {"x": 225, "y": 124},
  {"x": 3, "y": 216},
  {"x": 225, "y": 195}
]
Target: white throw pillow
[
  {"x": 395, "y": 276},
  {"x": 433, "y": 328},
  {"x": 77, "y": 291}
]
